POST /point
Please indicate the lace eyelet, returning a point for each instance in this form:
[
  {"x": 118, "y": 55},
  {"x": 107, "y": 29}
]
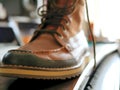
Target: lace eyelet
[
  {"x": 61, "y": 36},
  {"x": 67, "y": 23},
  {"x": 64, "y": 30},
  {"x": 68, "y": 47}
]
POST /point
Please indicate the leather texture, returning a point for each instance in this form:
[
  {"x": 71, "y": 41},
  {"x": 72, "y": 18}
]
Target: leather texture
[{"x": 54, "y": 51}]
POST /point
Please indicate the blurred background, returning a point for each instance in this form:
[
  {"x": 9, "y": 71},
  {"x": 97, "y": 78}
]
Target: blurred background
[
  {"x": 21, "y": 16},
  {"x": 18, "y": 21}
]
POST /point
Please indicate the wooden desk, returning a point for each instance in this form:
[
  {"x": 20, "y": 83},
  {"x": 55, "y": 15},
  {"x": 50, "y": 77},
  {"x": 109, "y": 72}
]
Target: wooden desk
[{"x": 32, "y": 84}]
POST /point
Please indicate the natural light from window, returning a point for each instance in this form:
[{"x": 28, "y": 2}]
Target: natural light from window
[{"x": 106, "y": 17}]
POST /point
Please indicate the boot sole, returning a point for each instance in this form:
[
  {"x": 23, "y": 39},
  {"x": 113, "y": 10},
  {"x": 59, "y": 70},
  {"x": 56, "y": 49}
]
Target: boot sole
[{"x": 44, "y": 73}]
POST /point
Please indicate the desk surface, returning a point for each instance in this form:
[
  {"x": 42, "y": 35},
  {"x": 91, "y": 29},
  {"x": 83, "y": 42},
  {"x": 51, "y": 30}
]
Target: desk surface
[{"x": 26, "y": 84}]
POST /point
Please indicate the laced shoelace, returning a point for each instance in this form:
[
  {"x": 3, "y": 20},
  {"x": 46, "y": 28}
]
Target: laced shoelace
[{"x": 53, "y": 17}]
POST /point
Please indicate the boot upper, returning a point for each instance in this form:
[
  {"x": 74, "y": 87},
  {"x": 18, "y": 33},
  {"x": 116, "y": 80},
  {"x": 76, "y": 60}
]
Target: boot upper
[{"x": 59, "y": 39}]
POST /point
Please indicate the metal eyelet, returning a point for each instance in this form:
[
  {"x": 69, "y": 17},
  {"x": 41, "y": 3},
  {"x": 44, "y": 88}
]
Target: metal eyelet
[
  {"x": 64, "y": 30},
  {"x": 61, "y": 36},
  {"x": 67, "y": 23},
  {"x": 68, "y": 47}
]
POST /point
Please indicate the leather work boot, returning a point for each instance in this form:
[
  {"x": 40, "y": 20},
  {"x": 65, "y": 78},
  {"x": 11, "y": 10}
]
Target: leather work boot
[{"x": 58, "y": 48}]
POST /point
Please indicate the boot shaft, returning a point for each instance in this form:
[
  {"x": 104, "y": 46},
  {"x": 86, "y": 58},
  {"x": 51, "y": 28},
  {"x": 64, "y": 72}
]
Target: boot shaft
[
  {"x": 70, "y": 13},
  {"x": 62, "y": 3},
  {"x": 62, "y": 12}
]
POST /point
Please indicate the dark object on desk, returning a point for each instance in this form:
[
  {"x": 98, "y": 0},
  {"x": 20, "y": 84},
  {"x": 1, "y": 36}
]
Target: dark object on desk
[{"x": 6, "y": 35}]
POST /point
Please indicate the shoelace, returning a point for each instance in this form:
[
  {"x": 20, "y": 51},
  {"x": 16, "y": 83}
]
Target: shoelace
[
  {"x": 92, "y": 36},
  {"x": 54, "y": 15}
]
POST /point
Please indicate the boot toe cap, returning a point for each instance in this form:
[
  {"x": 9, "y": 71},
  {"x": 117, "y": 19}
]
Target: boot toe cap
[{"x": 30, "y": 60}]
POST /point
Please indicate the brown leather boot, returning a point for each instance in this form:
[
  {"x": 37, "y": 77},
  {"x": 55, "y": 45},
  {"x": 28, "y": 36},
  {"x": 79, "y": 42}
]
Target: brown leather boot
[{"x": 58, "y": 49}]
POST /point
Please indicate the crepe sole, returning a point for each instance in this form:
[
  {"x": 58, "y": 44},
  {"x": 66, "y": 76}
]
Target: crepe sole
[{"x": 44, "y": 73}]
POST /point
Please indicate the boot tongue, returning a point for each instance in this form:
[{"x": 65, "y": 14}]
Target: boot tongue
[{"x": 63, "y": 3}]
